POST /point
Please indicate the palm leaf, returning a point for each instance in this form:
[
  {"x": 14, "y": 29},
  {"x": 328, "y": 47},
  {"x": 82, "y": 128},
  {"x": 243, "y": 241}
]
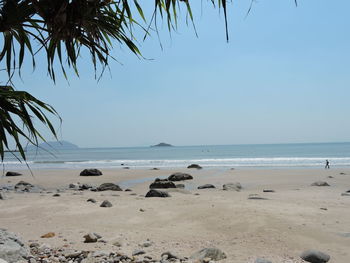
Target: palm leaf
[{"x": 18, "y": 109}]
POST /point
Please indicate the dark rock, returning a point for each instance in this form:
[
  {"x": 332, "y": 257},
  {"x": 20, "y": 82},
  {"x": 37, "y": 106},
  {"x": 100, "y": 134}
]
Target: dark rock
[
  {"x": 315, "y": 256},
  {"x": 155, "y": 169},
  {"x": 205, "y": 186},
  {"x": 162, "y": 184},
  {"x": 128, "y": 190},
  {"x": 2, "y": 197},
  {"x": 73, "y": 186},
  {"x": 320, "y": 183},
  {"x": 268, "y": 191},
  {"x": 91, "y": 200},
  {"x": 169, "y": 255},
  {"x": 212, "y": 253},
  {"x": 109, "y": 187},
  {"x": 23, "y": 184},
  {"x": 91, "y": 172},
  {"x": 262, "y": 260},
  {"x": 12, "y": 248},
  {"x": 181, "y": 186},
  {"x": 232, "y": 187},
  {"x": 56, "y": 195},
  {"x": 157, "y": 193},
  {"x": 27, "y": 187},
  {"x": 345, "y": 194},
  {"x": 194, "y": 166},
  {"x": 126, "y": 168},
  {"x": 13, "y": 174},
  {"x": 106, "y": 203},
  {"x": 91, "y": 238},
  {"x": 85, "y": 186},
  {"x": 256, "y": 197},
  {"x": 342, "y": 173},
  {"x": 180, "y": 177},
  {"x": 138, "y": 252}
]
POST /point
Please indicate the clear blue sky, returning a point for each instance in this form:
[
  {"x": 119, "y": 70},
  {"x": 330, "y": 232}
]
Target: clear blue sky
[{"x": 284, "y": 77}]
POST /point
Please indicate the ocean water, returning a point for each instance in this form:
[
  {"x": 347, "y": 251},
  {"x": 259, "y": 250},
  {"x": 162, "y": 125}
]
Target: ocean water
[{"x": 304, "y": 155}]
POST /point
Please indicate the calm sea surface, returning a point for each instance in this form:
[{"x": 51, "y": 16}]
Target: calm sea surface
[{"x": 311, "y": 155}]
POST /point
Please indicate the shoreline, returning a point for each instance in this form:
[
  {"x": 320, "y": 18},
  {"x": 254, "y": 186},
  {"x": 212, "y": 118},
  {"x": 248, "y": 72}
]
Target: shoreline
[{"x": 175, "y": 168}]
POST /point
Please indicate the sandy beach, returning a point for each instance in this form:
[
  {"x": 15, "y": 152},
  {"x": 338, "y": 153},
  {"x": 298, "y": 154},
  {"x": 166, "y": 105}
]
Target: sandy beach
[{"x": 281, "y": 225}]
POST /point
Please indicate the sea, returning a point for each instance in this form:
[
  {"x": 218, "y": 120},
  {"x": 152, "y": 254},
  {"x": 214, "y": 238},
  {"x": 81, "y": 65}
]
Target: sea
[{"x": 252, "y": 156}]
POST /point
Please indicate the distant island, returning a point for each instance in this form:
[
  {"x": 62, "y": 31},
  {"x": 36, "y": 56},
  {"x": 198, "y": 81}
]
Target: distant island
[
  {"x": 162, "y": 144},
  {"x": 53, "y": 145}
]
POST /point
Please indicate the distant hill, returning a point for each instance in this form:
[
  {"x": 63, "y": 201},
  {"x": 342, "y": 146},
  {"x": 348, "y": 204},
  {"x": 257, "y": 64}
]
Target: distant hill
[
  {"x": 54, "y": 145},
  {"x": 162, "y": 144}
]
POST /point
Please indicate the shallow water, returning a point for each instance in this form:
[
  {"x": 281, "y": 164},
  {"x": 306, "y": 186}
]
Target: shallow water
[{"x": 220, "y": 156}]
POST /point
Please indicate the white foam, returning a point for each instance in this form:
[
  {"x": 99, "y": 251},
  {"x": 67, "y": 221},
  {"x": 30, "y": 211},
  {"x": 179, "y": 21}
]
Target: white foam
[{"x": 169, "y": 163}]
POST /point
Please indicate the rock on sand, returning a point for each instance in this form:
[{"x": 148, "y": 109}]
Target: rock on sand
[
  {"x": 90, "y": 172},
  {"x": 12, "y": 248}
]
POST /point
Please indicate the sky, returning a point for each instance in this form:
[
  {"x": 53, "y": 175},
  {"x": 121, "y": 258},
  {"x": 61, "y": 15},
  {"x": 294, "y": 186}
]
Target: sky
[{"x": 283, "y": 77}]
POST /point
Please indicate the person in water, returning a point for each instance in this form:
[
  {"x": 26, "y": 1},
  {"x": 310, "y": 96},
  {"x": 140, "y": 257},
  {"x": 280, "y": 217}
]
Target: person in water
[{"x": 327, "y": 165}]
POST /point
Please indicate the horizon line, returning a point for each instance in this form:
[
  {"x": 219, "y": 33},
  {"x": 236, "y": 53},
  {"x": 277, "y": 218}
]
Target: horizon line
[{"x": 197, "y": 145}]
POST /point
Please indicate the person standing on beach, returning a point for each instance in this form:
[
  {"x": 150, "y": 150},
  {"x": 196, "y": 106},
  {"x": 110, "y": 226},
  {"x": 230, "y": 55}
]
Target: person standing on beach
[{"x": 327, "y": 165}]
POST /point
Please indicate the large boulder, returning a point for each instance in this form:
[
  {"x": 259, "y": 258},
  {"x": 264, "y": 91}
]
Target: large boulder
[
  {"x": 205, "y": 186},
  {"x": 109, "y": 187},
  {"x": 12, "y": 248},
  {"x": 194, "y": 166},
  {"x": 180, "y": 177},
  {"x": 13, "y": 174},
  {"x": 90, "y": 172},
  {"x": 209, "y": 253},
  {"x": 320, "y": 183},
  {"x": 162, "y": 184},
  {"x": 157, "y": 193},
  {"x": 232, "y": 187},
  {"x": 315, "y": 256}
]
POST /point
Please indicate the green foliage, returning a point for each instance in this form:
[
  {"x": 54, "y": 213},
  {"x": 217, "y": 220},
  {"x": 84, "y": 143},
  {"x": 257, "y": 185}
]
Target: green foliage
[
  {"x": 61, "y": 29},
  {"x": 20, "y": 106}
]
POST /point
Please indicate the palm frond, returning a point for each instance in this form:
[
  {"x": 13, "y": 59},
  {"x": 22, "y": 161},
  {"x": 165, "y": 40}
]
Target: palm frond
[
  {"x": 18, "y": 109},
  {"x": 61, "y": 29}
]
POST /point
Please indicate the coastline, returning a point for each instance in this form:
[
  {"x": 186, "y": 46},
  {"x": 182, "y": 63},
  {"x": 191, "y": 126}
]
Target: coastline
[
  {"x": 279, "y": 228},
  {"x": 284, "y": 156}
]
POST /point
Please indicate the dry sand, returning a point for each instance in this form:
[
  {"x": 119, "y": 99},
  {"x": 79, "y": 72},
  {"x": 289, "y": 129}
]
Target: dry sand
[{"x": 279, "y": 228}]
